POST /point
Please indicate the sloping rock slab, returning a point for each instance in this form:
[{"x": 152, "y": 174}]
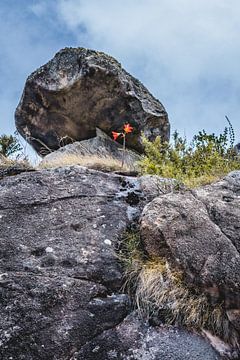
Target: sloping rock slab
[
  {"x": 135, "y": 340},
  {"x": 49, "y": 317},
  {"x": 66, "y": 222},
  {"x": 79, "y": 90},
  {"x": 60, "y": 278},
  {"x": 101, "y": 146}
]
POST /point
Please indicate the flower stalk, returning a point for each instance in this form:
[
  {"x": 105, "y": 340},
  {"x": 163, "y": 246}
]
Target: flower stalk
[{"x": 127, "y": 128}]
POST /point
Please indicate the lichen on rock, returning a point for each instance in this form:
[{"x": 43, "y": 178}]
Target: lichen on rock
[{"x": 79, "y": 90}]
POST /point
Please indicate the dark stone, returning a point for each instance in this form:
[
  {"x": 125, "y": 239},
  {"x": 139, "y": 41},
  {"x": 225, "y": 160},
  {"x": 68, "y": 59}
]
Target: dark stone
[
  {"x": 135, "y": 340},
  {"x": 237, "y": 149},
  {"x": 79, "y": 90},
  {"x": 45, "y": 317},
  {"x": 199, "y": 232},
  {"x": 60, "y": 278}
]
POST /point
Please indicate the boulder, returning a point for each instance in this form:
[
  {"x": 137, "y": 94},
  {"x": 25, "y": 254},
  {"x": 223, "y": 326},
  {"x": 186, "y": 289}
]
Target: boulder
[
  {"x": 199, "y": 232},
  {"x": 237, "y": 149},
  {"x": 79, "y": 90},
  {"x": 60, "y": 276}
]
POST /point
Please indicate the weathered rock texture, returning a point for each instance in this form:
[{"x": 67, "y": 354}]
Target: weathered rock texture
[
  {"x": 101, "y": 146},
  {"x": 237, "y": 149},
  {"x": 199, "y": 231},
  {"x": 60, "y": 278},
  {"x": 135, "y": 340},
  {"x": 79, "y": 90}
]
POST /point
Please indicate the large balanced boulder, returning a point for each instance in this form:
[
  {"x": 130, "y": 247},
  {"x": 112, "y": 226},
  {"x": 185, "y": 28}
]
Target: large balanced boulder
[
  {"x": 79, "y": 90},
  {"x": 60, "y": 276},
  {"x": 199, "y": 232}
]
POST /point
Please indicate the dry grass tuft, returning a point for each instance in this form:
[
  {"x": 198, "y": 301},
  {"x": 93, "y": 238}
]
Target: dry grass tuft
[
  {"x": 202, "y": 180},
  {"x": 159, "y": 290},
  {"x": 96, "y": 162},
  {"x": 7, "y": 163}
]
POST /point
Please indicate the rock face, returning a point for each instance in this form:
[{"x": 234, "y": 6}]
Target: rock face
[
  {"x": 132, "y": 339},
  {"x": 79, "y": 90},
  {"x": 237, "y": 149},
  {"x": 199, "y": 231},
  {"x": 60, "y": 278},
  {"x": 101, "y": 146}
]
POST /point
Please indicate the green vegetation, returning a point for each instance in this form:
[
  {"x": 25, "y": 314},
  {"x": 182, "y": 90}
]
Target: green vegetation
[
  {"x": 9, "y": 145},
  {"x": 207, "y": 158},
  {"x": 9, "y": 164}
]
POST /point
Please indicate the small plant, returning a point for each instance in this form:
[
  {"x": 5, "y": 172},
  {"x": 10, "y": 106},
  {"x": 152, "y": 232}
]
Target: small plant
[
  {"x": 127, "y": 128},
  {"x": 159, "y": 291},
  {"x": 9, "y": 145},
  {"x": 207, "y": 158}
]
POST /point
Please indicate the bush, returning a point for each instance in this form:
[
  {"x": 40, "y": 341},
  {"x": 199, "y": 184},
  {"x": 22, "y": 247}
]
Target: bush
[
  {"x": 207, "y": 158},
  {"x": 9, "y": 145}
]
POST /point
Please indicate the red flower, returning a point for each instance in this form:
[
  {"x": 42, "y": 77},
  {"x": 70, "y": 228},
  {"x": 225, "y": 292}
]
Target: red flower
[
  {"x": 127, "y": 128},
  {"x": 115, "y": 135}
]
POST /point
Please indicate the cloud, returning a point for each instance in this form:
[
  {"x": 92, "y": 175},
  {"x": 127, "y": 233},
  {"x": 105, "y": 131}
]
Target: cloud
[
  {"x": 187, "y": 52},
  {"x": 30, "y": 34},
  {"x": 38, "y": 9},
  {"x": 28, "y": 38}
]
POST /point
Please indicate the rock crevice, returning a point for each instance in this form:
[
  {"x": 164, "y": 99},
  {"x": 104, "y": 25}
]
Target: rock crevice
[{"x": 61, "y": 278}]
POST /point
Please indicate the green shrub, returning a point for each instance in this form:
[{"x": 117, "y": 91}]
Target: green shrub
[
  {"x": 207, "y": 158},
  {"x": 9, "y": 145}
]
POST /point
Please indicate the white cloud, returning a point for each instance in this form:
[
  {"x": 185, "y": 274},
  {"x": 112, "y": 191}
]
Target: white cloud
[
  {"x": 39, "y": 8},
  {"x": 24, "y": 47},
  {"x": 187, "y": 52}
]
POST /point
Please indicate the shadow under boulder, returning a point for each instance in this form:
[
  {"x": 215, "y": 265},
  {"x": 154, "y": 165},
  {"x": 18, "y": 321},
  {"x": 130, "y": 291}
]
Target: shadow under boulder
[{"x": 79, "y": 90}]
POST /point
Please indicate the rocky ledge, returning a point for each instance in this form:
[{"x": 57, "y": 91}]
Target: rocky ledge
[{"x": 61, "y": 277}]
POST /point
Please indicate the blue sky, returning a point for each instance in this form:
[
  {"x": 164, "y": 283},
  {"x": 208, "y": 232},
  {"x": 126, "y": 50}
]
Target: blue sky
[{"x": 187, "y": 52}]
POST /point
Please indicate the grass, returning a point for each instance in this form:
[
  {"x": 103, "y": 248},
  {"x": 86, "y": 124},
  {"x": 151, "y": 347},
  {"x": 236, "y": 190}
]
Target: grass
[
  {"x": 6, "y": 162},
  {"x": 206, "y": 179},
  {"x": 206, "y": 159},
  {"x": 158, "y": 289},
  {"x": 96, "y": 162},
  {"x": 10, "y": 167}
]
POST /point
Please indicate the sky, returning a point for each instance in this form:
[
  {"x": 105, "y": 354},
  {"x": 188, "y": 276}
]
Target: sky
[{"x": 186, "y": 52}]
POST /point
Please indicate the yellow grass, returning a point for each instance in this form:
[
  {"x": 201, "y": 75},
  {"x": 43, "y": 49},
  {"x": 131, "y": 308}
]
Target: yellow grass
[
  {"x": 158, "y": 289},
  {"x": 91, "y": 161},
  {"x": 7, "y": 162},
  {"x": 195, "y": 182}
]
